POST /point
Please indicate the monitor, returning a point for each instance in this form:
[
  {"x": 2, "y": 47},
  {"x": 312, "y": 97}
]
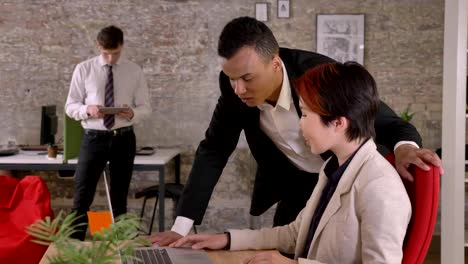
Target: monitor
[{"x": 48, "y": 124}]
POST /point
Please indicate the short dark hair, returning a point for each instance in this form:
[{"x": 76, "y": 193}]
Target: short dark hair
[
  {"x": 341, "y": 89},
  {"x": 247, "y": 31},
  {"x": 110, "y": 37}
]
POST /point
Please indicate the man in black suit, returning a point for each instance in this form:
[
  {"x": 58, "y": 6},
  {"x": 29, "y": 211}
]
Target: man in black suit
[{"x": 256, "y": 97}]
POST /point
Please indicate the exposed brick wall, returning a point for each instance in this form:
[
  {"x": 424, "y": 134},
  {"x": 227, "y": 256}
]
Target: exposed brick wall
[{"x": 175, "y": 43}]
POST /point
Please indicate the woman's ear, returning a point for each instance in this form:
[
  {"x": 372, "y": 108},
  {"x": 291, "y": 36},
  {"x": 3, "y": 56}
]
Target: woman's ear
[{"x": 341, "y": 123}]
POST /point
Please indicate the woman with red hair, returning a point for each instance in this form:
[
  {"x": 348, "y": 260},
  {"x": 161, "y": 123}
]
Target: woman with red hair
[{"x": 359, "y": 211}]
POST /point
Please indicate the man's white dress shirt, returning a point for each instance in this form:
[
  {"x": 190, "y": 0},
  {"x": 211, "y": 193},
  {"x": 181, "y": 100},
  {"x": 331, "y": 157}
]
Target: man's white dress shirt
[{"x": 88, "y": 88}]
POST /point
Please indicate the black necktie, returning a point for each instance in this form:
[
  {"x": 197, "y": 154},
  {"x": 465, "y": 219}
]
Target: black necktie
[{"x": 109, "y": 120}]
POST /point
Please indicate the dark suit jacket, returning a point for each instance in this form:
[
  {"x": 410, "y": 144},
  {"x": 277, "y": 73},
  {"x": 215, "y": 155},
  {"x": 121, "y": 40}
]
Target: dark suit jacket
[{"x": 276, "y": 176}]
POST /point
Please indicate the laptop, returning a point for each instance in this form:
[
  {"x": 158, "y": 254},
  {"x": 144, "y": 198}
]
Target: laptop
[
  {"x": 160, "y": 255},
  {"x": 166, "y": 255}
]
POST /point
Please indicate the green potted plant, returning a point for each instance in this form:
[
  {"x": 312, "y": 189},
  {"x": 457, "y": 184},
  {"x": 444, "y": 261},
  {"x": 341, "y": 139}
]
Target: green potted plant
[
  {"x": 111, "y": 244},
  {"x": 407, "y": 115}
]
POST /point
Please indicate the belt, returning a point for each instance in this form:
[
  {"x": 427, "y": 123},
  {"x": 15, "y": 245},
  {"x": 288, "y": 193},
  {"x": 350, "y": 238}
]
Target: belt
[{"x": 113, "y": 132}]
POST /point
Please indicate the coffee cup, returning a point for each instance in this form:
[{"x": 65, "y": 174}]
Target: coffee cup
[{"x": 52, "y": 151}]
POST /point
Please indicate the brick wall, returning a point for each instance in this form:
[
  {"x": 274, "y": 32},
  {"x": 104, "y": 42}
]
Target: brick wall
[{"x": 175, "y": 43}]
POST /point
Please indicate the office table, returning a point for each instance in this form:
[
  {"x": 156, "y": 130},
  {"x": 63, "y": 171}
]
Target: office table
[
  {"x": 217, "y": 256},
  {"x": 30, "y": 160}
]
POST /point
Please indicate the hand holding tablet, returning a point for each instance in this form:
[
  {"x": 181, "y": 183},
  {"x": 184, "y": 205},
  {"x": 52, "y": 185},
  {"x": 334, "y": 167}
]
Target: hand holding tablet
[{"x": 112, "y": 110}]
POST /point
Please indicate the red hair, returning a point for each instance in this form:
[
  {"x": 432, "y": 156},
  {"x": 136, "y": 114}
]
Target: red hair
[
  {"x": 341, "y": 90},
  {"x": 309, "y": 88}
]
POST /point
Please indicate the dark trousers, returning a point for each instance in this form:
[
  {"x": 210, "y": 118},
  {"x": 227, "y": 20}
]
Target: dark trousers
[
  {"x": 290, "y": 206},
  {"x": 97, "y": 148}
]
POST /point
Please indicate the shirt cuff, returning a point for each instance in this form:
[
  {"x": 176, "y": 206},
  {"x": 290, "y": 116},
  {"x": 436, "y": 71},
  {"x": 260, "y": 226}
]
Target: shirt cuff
[
  {"x": 83, "y": 112},
  {"x": 182, "y": 225},
  {"x": 403, "y": 143}
]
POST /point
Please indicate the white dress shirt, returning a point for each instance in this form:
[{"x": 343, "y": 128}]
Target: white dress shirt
[
  {"x": 88, "y": 88},
  {"x": 281, "y": 124}
]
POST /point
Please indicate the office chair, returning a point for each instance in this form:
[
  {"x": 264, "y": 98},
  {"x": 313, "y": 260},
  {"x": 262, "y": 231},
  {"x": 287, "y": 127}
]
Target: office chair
[
  {"x": 173, "y": 191},
  {"x": 424, "y": 196},
  {"x": 72, "y": 135}
]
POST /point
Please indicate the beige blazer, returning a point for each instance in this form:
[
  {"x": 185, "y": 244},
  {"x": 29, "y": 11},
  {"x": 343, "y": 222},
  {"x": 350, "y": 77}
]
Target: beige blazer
[{"x": 364, "y": 222}]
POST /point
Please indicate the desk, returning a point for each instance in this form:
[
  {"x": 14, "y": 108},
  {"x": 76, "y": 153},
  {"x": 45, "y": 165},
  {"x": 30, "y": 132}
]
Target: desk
[
  {"x": 230, "y": 257},
  {"x": 217, "y": 256},
  {"x": 30, "y": 160}
]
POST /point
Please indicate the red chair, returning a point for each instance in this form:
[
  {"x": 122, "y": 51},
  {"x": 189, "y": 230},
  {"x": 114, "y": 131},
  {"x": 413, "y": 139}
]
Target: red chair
[
  {"x": 22, "y": 202},
  {"x": 424, "y": 195}
]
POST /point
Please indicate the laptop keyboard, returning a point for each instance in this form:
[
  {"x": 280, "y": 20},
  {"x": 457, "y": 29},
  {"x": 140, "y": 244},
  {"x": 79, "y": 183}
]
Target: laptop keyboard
[{"x": 150, "y": 256}]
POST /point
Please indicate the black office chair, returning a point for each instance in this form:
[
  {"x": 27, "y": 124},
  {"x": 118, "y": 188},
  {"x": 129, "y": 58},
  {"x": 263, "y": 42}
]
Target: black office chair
[{"x": 173, "y": 191}]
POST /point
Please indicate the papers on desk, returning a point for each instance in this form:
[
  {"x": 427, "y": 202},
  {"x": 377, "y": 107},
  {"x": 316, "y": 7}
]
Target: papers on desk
[
  {"x": 145, "y": 151},
  {"x": 36, "y": 147},
  {"x": 6, "y": 150}
]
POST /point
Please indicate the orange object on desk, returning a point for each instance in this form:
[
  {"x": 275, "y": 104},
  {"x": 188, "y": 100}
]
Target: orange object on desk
[{"x": 98, "y": 221}]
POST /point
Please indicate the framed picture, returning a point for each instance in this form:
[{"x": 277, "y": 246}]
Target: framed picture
[
  {"x": 261, "y": 11},
  {"x": 341, "y": 37},
  {"x": 283, "y": 9}
]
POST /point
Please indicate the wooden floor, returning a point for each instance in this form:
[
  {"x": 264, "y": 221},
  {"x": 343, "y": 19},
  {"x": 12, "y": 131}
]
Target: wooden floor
[{"x": 433, "y": 256}]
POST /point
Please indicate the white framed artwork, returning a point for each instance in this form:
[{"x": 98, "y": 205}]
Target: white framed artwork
[
  {"x": 261, "y": 11},
  {"x": 341, "y": 37},
  {"x": 284, "y": 9}
]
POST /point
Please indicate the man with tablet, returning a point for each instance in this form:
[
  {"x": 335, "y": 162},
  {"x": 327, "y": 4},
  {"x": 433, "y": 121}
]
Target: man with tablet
[{"x": 108, "y": 94}]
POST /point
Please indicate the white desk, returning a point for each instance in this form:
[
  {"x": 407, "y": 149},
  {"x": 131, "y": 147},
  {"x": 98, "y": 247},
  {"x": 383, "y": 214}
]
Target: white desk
[{"x": 30, "y": 160}]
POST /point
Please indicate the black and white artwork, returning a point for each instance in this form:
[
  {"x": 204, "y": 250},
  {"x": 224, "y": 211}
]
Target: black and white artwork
[
  {"x": 341, "y": 37},
  {"x": 283, "y": 9}
]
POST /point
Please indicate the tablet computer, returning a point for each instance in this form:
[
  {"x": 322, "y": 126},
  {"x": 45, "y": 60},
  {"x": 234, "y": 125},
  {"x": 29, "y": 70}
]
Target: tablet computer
[
  {"x": 112, "y": 110},
  {"x": 145, "y": 151}
]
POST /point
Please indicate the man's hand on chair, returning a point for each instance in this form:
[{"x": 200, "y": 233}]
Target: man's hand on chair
[
  {"x": 164, "y": 238},
  {"x": 407, "y": 154}
]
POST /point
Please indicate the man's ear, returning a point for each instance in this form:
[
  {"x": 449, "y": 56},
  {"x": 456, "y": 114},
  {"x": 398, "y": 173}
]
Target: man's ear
[{"x": 276, "y": 63}]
